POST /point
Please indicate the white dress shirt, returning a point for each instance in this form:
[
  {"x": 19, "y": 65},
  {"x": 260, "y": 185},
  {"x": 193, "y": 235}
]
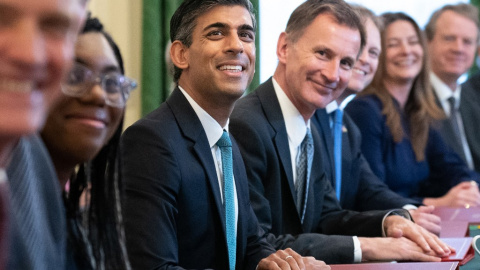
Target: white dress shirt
[
  {"x": 213, "y": 131},
  {"x": 296, "y": 130}
]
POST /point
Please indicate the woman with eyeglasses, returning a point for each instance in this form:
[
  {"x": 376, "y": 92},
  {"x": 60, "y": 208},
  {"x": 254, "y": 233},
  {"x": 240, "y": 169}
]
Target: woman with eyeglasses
[
  {"x": 82, "y": 136},
  {"x": 395, "y": 115}
]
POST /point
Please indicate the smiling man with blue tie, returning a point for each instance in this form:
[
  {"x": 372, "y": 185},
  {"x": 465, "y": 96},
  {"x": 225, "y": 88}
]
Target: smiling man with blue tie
[{"x": 187, "y": 203}]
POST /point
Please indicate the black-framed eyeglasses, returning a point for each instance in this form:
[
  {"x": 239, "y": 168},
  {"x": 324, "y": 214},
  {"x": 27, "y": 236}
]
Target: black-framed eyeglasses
[{"x": 81, "y": 79}]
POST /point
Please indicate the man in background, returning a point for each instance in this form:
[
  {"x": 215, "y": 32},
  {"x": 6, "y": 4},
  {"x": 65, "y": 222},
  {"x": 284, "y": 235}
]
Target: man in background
[{"x": 452, "y": 34}]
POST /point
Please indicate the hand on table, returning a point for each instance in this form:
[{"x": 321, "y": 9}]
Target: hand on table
[
  {"x": 465, "y": 194},
  {"x": 397, "y": 226},
  {"x": 289, "y": 259},
  {"x": 394, "y": 249},
  {"x": 423, "y": 217}
]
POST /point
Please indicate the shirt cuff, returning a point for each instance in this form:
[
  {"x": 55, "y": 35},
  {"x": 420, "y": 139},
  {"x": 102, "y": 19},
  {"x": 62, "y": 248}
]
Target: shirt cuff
[
  {"x": 409, "y": 207},
  {"x": 396, "y": 212},
  {"x": 357, "y": 250}
]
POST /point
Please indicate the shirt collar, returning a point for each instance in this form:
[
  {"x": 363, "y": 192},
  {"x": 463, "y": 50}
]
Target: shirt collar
[
  {"x": 3, "y": 175},
  {"x": 331, "y": 107},
  {"x": 442, "y": 90},
  {"x": 213, "y": 130},
  {"x": 294, "y": 122}
]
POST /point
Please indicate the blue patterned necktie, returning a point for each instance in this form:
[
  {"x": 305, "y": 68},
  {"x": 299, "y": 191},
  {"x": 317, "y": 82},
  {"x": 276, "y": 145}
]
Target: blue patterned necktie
[
  {"x": 304, "y": 166},
  {"x": 225, "y": 146},
  {"x": 337, "y": 150}
]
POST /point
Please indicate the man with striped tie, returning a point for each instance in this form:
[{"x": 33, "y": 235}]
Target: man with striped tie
[{"x": 294, "y": 202}]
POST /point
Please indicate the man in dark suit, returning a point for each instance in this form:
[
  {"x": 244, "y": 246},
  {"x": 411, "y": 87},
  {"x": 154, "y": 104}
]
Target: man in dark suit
[
  {"x": 470, "y": 112},
  {"x": 452, "y": 34},
  {"x": 187, "y": 203},
  {"x": 292, "y": 199}
]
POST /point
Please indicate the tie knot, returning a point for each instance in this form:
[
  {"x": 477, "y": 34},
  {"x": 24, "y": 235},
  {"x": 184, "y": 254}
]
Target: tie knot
[
  {"x": 308, "y": 140},
  {"x": 224, "y": 141},
  {"x": 453, "y": 102}
]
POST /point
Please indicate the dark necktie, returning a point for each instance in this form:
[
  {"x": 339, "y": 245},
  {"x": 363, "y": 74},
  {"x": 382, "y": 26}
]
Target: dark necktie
[
  {"x": 304, "y": 165},
  {"x": 225, "y": 146},
  {"x": 337, "y": 150},
  {"x": 456, "y": 120}
]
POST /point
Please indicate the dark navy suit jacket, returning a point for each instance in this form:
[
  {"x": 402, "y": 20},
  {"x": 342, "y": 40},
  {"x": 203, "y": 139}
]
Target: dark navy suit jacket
[
  {"x": 174, "y": 216},
  {"x": 470, "y": 113},
  {"x": 257, "y": 123},
  {"x": 361, "y": 189}
]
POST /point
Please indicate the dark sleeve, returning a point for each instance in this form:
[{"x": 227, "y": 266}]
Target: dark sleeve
[
  {"x": 372, "y": 193},
  {"x": 447, "y": 168},
  {"x": 150, "y": 206},
  {"x": 368, "y": 117}
]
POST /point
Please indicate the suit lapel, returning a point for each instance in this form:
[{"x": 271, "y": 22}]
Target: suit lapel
[
  {"x": 273, "y": 113},
  {"x": 445, "y": 127},
  {"x": 192, "y": 129},
  {"x": 327, "y": 139}
]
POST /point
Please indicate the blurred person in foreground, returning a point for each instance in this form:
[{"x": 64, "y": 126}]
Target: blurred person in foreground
[{"x": 37, "y": 40}]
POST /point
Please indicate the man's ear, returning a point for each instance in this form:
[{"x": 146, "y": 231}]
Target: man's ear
[
  {"x": 179, "y": 54},
  {"x": 282, "y": 45}
]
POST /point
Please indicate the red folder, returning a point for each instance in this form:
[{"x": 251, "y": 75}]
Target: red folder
[
  {"x": 397, "y": 266},
  {"x": 454, "y": 228},
  {"x": 463, "y": 250},
  {"x": 472, "y": 214}
]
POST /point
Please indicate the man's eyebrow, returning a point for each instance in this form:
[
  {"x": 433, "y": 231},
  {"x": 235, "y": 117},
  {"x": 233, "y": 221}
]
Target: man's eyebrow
[
  {"x": 247, "y": 27},
  {"x": 225, "y": 26},
  {"x": 215, "y": 25}
]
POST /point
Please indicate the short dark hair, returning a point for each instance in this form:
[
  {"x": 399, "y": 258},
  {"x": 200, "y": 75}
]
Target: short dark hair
[
  {"x": 184, "y": 19},
  {"x": 307, "y": 12},
  {"x": 468, "y": 11}
]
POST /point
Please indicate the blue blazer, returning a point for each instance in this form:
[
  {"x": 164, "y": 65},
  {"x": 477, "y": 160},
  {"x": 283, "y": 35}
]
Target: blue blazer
[
  {"x": 174, "y": 216},
  {"x": 257, "y": 123},
  {"x": 361, "y": 189}
]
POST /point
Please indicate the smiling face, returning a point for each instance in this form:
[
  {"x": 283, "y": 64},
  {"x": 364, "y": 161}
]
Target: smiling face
[
  {"x": 403, "y": 52},
  {"x": 316, "y": 69},
  {"x": 77, "y": 128},
  {"x": 367, "y": 63},
  {"x": 453, "y": 46},
  {"x": 36, "y": 48},
  {"x": 220, "y": 63}
]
